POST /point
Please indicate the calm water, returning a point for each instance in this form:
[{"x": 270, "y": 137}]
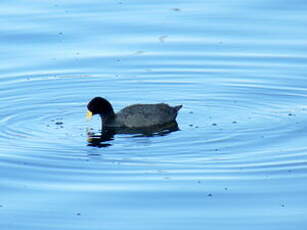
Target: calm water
[{"x": 239, "y": 159}]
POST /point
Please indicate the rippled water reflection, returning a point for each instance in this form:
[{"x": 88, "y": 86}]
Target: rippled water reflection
[{"x": 239, "y": 157}]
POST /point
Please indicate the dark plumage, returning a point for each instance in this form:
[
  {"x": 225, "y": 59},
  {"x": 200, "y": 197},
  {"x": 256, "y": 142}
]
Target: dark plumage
[{"x": 133, "y": 116}]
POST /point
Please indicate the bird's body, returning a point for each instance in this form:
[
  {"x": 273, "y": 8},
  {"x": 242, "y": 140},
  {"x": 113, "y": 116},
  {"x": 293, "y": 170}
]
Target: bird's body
[
  {"x": 133, "y": 116},
  {"x": 145, "y": 115}
]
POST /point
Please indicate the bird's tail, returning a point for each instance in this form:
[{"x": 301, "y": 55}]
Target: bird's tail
[{"x": 177, "y": 107}]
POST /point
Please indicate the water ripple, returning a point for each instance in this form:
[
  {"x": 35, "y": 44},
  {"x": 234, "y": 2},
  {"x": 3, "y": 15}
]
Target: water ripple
[{"x": 35, "y": 124}]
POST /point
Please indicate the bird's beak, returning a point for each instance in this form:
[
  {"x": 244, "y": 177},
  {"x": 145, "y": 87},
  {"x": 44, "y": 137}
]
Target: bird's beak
[{"x": 89, "y": 115}]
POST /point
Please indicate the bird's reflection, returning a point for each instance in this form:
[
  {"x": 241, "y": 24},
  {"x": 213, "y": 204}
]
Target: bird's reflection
[{"x": 108, "y": 134}]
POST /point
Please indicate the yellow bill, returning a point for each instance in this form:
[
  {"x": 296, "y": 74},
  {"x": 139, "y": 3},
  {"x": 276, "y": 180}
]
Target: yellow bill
[{"x": 89, "y": 115}]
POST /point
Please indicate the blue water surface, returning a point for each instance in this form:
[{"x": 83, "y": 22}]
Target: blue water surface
[{"x": 239, "y": 160}]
